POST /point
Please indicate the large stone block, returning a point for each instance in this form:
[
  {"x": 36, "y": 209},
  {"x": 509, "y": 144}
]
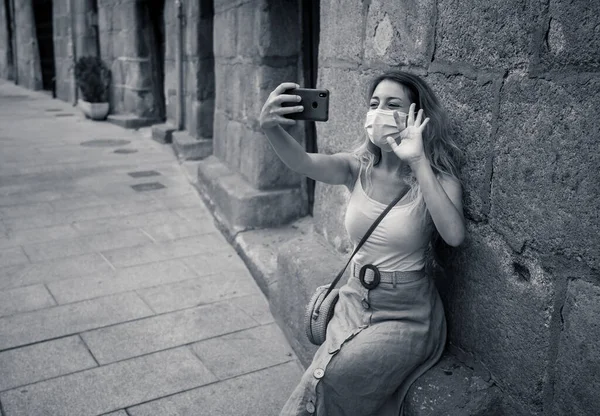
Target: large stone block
[
  {"x": 484, "y": 34},
  {"x": 277, "y": 28},
  {"x": 571, "y": 37},
  {"x": 303, "y": 264},
  {"x": 261, "y": 166},
  {"x": 499, "y": 307},
  {"x": 235, "y": 150},
  {"x": 578, "y": 364},
  {"x": 470, "y": 105},
  {"x": 546, "y": 180},
  {"x": 400, "y": 32},
  {"x": 224, "y": 93},
  {"x": 342, "y": 30},
  {"x": 348, "y": 106},
  {"x": 239, "y": 206},
  {"x": 219, "y": 134},
  {"x": 225, "y": 34},
  {"x": 249, "y": 20}
]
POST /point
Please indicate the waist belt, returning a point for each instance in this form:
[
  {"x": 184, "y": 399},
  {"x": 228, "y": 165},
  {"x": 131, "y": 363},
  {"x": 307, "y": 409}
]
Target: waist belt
[{"x": 370, "y": 276}]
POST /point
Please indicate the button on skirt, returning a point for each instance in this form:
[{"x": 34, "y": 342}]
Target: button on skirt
[{"x": 378, "y": 343}]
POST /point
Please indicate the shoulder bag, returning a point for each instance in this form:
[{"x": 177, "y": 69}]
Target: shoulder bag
[{"x": 319, "y": 310}]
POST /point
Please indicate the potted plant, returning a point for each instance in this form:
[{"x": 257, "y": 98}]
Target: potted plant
[{"x": 93, "y": 80}]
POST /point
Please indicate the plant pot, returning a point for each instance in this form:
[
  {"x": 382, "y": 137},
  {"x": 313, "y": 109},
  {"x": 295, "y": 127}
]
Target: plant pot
[{"x": 95, "y": 111}]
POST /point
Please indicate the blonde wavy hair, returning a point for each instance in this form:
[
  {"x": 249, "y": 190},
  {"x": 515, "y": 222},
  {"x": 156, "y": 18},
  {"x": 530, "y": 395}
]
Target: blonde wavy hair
[{"x": 438, "y": 143}]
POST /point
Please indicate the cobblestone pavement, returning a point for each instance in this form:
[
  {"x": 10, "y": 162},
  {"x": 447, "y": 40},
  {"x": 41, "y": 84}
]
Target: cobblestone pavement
[{"x": 117, "y": 293}]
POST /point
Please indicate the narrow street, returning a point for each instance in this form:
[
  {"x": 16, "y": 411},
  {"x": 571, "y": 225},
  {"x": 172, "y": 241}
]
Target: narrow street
[{"x": 117, "y": 293}]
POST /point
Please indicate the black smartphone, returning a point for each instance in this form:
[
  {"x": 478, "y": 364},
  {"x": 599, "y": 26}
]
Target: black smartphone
[{"x": 314, "y": 101}]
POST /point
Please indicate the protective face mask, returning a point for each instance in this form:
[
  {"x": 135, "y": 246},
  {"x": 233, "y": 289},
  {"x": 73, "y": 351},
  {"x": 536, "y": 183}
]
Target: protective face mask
[{"x": 380, "y": 125}]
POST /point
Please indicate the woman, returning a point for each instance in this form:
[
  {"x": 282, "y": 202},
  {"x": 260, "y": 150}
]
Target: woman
[{"x": 381, "y": 340}]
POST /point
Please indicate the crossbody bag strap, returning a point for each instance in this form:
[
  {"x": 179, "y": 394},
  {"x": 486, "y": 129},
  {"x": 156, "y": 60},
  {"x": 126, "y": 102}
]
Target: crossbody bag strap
[{"x": 363, "y": 240}]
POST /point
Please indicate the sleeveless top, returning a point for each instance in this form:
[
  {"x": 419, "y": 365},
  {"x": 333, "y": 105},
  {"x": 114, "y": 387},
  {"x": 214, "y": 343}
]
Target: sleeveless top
[{"x": 400, "y": 240}]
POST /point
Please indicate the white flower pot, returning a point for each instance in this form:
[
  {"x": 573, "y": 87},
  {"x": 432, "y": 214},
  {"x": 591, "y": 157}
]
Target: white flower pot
[{"x": 95, "y": 111}]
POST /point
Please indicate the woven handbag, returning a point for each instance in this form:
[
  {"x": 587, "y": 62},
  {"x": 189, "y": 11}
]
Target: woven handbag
[{"x": 319, "y": 310}]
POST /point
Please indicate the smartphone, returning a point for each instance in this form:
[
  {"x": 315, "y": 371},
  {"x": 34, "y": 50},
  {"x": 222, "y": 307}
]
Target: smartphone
[{"x": 315, "y": 102}]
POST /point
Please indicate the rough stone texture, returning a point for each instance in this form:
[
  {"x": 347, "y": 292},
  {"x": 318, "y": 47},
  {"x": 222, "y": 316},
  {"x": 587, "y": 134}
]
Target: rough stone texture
[
  {"x": 187, "y": 147},
  {"x": 63, "y": 50},
  {"x": 546, "y": 178},
  {"x": 470, "y": 105},
  {"x": 342, "y": 31},
  {"x": 486, "y": 301},
  {"x": 44, "y": 360},
  {"x": 570, "y": 36},
  {"x": 483, "y": 34},
  {"x": 400, "y": 33},
  {"x": 28, "y": 56},
  {"x": 240, "y": 206},
  {"x": 578, "y": 363},
  {"x": 452, "y": 389}
]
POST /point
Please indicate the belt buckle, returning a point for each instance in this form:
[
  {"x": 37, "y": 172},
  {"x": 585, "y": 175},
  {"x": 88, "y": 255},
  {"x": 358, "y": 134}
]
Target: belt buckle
[{"x": 376, "y": 276}]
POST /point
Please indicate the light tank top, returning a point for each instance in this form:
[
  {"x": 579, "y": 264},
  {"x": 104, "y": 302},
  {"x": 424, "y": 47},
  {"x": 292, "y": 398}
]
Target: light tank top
[{"x": 400, "y": 240}]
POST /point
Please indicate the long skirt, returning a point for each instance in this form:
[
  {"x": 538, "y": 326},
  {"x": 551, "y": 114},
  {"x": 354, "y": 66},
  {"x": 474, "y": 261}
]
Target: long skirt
[{"x": 378, "y": 343}]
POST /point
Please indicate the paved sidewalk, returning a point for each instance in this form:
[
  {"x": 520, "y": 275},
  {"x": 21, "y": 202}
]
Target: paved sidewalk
[{"x": 116, "y": 300}]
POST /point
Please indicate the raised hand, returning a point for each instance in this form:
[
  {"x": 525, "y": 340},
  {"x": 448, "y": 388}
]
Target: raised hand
[
  {"x": 410, "y": 148},
  {"x": 272, "y": 113}
]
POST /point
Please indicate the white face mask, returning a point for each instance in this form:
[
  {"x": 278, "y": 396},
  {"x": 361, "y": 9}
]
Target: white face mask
[{"x": 380, "y": 125}]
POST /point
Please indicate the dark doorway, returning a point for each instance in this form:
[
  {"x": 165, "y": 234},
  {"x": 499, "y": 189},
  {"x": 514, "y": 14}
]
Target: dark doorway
[
  {"x": 42, "y": 10},
  {"x": 155, "y": 37},
  {"x": 310, "y": 59},
  {"x": 10, "y": 41}
]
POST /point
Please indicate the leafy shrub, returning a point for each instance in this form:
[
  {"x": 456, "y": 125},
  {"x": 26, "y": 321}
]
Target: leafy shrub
[{"x": 92, "y": 78}]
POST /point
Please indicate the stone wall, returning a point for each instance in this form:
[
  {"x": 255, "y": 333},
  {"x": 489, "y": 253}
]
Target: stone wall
[
  {"x": 28, "y": 55},
  {"x": 198, "y": 67},
  {"x": 521, "y": 82},
  {"x": 63, "y": 50},
  {"x": 124, "y": 46},
  {"x": 256, "y": 46},
  {"x": 6, "y": 64}
]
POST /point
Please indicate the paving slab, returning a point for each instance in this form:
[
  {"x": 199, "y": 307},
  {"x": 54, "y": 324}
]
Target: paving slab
[
  {"x": 260, "y": 393},
  {"x": 123, "y": 280},
  {"x": 256, "y": 306},
  {"x": 185, "y": 247},
  {"x": 39, "y": 235},
  {"x": 49, "y": 271},
  {"x": 245, "y": 351},
  {"x": 42, "y": 361},
  {"x": 214, "y": 263},
  {"x": 24, "y": 299},
  {"x": 59, "y": 321},
  {"x": 199, "y": 291},
  {"x": 11, "y": 256},
  {"x": 181, "y": 228},
  {"x": 108, "y": 388},
  {"x": 164, "y": 331}
]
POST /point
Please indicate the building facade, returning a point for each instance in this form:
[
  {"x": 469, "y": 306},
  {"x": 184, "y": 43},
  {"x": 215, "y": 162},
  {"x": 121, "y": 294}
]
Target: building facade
[{"x": 520, "y": 80}]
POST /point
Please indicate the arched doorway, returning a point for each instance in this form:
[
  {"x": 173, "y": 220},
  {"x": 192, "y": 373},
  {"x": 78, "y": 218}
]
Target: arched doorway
[{"x": 42, "y": 11}]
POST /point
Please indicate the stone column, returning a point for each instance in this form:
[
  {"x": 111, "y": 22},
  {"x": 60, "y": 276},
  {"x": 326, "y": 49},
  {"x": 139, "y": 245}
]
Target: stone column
[
  {"x": 6, "y": 64},
  {"x": 256, "y": 46},
  {"x": 28, "y": 56},
  {"x": 86, "y": 28}
]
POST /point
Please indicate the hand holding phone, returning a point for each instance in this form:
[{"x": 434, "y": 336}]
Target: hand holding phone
[{"x": 314, "y": 101}]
